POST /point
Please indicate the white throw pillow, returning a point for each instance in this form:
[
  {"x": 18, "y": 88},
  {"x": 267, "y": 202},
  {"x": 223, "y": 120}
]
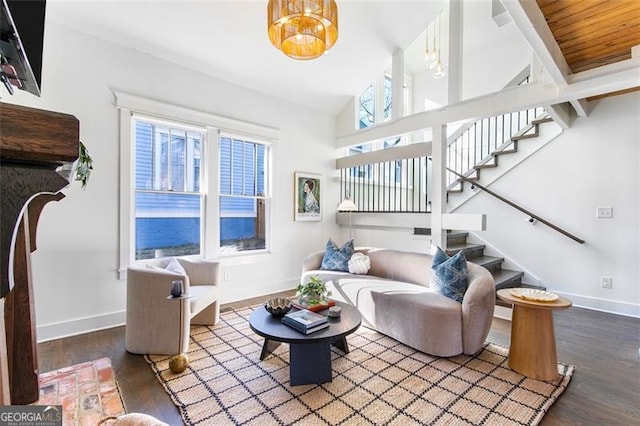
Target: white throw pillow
[
  {"x": 359, "y": 264},
  {"x": 175, "y": 266}
]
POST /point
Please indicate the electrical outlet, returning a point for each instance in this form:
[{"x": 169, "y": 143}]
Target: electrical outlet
[
  {"x": 606, "y": 282},
  {"x": 604, "y": 212},
  {"x": 227, "y": 275}
]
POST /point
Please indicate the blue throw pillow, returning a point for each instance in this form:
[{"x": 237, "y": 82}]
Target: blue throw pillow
[
  {"x": 449, "y": 275},
  {"x": 337, "y": 259}
]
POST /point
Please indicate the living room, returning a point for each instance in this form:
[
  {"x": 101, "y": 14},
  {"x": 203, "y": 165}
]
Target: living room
[{"x": 78, "y": 277}]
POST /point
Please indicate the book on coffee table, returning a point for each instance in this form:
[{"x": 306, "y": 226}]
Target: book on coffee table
[
  {"x": 305, "y": 321},
  {"x": 304, "y": 330},
  {"x": 313, "y": 308}
]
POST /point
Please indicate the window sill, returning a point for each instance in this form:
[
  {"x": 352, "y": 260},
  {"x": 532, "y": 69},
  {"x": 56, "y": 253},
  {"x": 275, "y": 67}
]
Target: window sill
[{"x": 244, "y": 258}]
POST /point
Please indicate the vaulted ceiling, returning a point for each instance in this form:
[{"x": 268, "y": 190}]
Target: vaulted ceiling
[{"x": 228, "y": 39}]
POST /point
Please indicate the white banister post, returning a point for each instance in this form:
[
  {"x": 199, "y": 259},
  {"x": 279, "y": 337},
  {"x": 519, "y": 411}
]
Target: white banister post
[
  {"x": 397, "y": 81},
  {"x": 438, "y": 185}
]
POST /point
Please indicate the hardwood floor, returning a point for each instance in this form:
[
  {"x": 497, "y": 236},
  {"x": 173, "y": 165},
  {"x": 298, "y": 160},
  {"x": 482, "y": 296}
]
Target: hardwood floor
[{"x": 604, "y": 348}]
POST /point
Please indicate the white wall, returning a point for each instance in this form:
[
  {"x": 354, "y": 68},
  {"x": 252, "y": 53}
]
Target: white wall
[
  {"x": 594, "y": 163},
  {"x": 74, "y": 267},
  {"x": 493, "y": 55}
]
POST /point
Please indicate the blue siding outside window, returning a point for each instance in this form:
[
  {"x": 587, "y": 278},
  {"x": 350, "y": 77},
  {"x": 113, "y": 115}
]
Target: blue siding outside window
[
  {"x": 169, "y": 204},
  {"x": 167, "y": 200},
  {"x": 143, "y": 157},
  {"x": 242, "y": 186}
]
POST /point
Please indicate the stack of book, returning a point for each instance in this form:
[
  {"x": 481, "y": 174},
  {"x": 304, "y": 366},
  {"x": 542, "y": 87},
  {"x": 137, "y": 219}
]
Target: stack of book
[{"x": 305, "y": 321}]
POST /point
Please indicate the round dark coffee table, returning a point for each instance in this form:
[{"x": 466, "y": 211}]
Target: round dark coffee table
[{"x": 310, "y": 354}]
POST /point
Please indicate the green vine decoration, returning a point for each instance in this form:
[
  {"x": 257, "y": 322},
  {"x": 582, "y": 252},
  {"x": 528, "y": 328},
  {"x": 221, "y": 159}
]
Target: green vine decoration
[{"x": 85, "y": 166}]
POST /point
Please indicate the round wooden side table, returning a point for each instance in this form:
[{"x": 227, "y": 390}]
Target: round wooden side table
[{"x": 532, "y": 351}]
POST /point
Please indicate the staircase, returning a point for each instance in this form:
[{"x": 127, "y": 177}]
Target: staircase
[
  {"x": 473, "y": 150},
  {"x": 504, "y": 278},
  {"x": 490, "y": 161}
]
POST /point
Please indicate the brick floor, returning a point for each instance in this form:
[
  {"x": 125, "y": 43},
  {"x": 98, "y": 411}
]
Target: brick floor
[{"x": 88, "y": 392}]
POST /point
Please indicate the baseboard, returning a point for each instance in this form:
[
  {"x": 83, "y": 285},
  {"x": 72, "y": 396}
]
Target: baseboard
[
  {"x": 74, "y": 327},
  {"x": 239, "y": 293},
  {"x": 586, "y": 302},
  {"x": 84, "y": 325},
  {"x": 603, "y": 305}
]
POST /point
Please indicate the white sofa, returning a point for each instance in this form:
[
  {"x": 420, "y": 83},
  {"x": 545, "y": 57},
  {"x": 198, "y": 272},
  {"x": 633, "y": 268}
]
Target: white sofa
[{"x": 394, "y": 298}]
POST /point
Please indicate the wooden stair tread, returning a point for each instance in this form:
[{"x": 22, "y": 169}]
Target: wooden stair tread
[
  {"x": 503, "y": 278},
  {"x": 538, "y": 287},
  {"x": 466, "y": 248},
  {"x": 506, "y": 278},
  {"x": 457, "y": 237},
  {"x": 455, "y": 232},
  {"x": 527, "y": 136},
  {"x": 505, "y": 151},
  {"x": 524, "y": 132},
  {"x": 487, "y": 261},
  {"x": 486, "y": 166},
  {"x": 543, "y": 119}
]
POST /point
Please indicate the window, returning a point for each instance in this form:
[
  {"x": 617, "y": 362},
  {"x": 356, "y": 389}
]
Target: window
[
  {"x": 243, "y": 194},
  {"x": 187, "y": 187},
  {"x": 388, "y": 96},
  {"x": 168, "y": 201},
  {"x": 366, "y": 107},
  {"x": 378, "y": 95}
]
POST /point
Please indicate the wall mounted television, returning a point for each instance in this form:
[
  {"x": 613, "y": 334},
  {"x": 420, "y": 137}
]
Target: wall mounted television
[{"x": 21, "y": 43}]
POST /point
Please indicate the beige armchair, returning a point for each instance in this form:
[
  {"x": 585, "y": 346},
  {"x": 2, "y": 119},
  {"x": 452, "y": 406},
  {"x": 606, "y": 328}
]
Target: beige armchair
[{"x": 158, "y": 325}]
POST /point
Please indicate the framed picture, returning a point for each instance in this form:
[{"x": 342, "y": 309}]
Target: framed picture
[{"x": 307, "y": 197}]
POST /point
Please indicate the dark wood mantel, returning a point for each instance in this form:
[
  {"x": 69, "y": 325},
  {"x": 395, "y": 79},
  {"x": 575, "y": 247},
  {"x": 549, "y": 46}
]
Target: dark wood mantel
[{"x": 33, "y": 144}]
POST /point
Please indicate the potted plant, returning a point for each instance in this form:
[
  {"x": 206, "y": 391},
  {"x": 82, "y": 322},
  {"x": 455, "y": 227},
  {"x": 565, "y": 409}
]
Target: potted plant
[
  {"x": 84, "y": 166},
  {"x": 313, "y": 293}
]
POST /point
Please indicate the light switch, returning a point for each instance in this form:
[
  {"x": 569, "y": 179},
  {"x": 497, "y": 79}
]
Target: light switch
[{"x": 604, "y": 212}]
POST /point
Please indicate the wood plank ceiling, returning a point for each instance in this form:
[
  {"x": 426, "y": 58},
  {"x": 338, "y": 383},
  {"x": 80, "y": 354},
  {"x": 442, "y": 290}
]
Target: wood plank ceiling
[{"x": 593, "y": 33}]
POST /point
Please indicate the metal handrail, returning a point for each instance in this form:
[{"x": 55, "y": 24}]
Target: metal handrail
[{"x": 532, "y": 216}]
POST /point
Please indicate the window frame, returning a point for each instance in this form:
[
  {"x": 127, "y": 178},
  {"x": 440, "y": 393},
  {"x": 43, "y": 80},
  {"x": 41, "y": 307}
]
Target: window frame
[{"x": 130, "y": 105}]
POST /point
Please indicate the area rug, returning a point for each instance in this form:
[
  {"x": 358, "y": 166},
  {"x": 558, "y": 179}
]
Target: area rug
[
  {"x": 87, "y": 392},
  {"x": 379, "y": 382}
]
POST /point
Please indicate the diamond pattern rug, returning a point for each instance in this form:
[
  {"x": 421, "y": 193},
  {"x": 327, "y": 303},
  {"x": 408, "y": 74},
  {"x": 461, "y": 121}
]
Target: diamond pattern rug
[{"x": 380, "y": 381}]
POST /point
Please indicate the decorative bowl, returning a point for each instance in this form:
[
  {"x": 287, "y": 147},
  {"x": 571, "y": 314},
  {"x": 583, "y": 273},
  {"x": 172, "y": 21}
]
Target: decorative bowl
[
  {"x": 278, "y": 306},
  {"x": 533, "y": 294}
]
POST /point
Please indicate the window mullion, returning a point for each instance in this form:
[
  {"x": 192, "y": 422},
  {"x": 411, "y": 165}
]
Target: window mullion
[
  {"x": 155, "y": 158},
  {"x": 231, "y": 167},
  {"x": 255, "y": 169},
  {"x": 167, "y": 160},
  {"x": 244, "y": 172},
  {"x": 186, "y": 163}
]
